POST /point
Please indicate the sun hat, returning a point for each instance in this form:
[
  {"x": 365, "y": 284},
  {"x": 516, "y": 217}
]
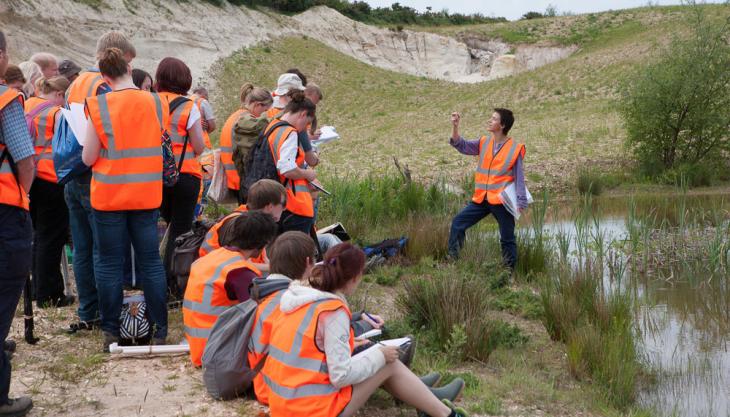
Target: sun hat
[{"x": 288, "y": 82}]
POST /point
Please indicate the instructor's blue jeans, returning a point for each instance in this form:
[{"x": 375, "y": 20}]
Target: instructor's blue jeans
[
  {"x": 81, "y": 220},
  {"x": 471, "y": 215},
  {"x": 113, "y": 229}
]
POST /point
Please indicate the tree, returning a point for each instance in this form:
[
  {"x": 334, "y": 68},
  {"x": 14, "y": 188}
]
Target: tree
[
  {"x": 531, "y": 15},
  {"x": 551, "y": 10},
  {"x": 676, "y": 110}
]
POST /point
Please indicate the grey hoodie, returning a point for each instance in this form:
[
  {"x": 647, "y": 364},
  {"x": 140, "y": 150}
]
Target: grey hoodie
[{"x": 333, "y": 336}]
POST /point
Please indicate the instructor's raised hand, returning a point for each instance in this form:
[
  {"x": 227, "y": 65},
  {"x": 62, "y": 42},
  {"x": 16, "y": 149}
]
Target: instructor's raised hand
[{"x": 455, "y": 119}]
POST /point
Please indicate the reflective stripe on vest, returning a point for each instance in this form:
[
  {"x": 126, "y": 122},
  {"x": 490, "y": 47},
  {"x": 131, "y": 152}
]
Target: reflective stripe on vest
[
  {"x": 45, "y": 124},
  {"x": 495, "y": 172},
  {"x": 298, "y": 195},
  {"x": 112, "y": 153},
  {"x": 177, "y": 129},
  {"x": 85, "y": 85},
  {"x": 302, "y": 391},
  {"x": 271, "y": 305},
  {"x": 205, "y": 306},
  {"x": 211, "y": 241},
  {"x": 11, "y": 193}
]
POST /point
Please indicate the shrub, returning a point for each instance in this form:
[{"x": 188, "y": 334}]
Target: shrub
[
  {"x": 675, "y": 110},
  {"x": 589, "y": 182}
]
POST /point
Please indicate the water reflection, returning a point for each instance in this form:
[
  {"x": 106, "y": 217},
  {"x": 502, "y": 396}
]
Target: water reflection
[{"x": 684, "y": 322}]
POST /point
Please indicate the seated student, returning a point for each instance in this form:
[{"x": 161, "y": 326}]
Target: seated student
[
  {"x": 314, "y": 372},
  {"x": 265, "y": 195},
  {"x": 221, "y": 279}
]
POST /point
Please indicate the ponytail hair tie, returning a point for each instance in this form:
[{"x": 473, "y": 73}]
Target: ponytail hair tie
[{"x": 332, "y": 261}]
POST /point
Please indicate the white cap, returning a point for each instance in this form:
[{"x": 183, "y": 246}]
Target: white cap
[{"x": 288, "y": 82}]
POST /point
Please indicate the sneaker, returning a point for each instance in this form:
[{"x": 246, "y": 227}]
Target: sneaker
[
  {"x": 16, "y": 407},
  {"x": 455, "y": 411},
  {"x": 83, "y": 325},
  {"x": 407, "y": 354},
  {"x": 431, "y": 380},
  {"x": 451, "y": 391},
  {"x": 108, "y": 340}
]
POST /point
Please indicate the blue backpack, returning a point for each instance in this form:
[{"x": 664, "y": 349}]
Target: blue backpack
[{"x": 67, "y": 152}]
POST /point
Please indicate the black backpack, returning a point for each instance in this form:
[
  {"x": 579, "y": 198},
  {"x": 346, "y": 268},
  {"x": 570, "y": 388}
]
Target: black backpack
[
  {"x": 187, "y": 246},
  {"x": 261, "y": 163}
]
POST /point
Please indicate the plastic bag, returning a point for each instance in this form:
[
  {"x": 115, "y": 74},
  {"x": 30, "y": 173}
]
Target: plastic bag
[
  {"x": 218, "y": 190},
  {"x": 67, "y": 152}
]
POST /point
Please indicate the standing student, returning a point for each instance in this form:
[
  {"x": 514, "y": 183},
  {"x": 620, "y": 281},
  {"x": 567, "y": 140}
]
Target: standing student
[
  {"x": 17, "y": 168},
  {"x": 289, "y": 82},
  {"x": 500, "y": 164},
  {"x": 69, "y": 69},
  {"x": 207, "y": 116},
  {"x": 47, "y": 62},
  {"x": 172, "y": 82},
  {"x": 222, "y": 278},
  {"x": 245, "y": 131},
  {"x": 77, "y": 192},
  {"x": 142, "y": 79},
  {"x": 14, "y": 78},
  {"x": 289, "y": 158},
  {"x": 47, "y": 205},
  {"x": 315, "y": 374},
  {"x": 124, "y": 152}
]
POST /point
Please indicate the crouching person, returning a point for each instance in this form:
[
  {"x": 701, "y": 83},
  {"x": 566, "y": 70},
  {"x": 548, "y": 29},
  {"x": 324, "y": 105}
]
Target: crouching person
[
  {"x": 310, "y": 369},
  {"x": 221, "y": 279}
]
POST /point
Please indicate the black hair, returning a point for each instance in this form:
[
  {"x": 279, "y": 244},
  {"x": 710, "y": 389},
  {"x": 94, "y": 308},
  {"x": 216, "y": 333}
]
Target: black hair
[
  {"x": 250, "y": 230},
  {"x": 299, "y": 102},
  {"x": 506, "y": 118},
  {"x": 299, "y": 74},
  {"x": 138, "y": 77}
]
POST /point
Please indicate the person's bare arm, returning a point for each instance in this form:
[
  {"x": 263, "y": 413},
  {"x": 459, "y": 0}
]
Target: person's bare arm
[
  {"x": 211, "y": 125},
  {"x": 26, "y": 172},
  {"x": 92, "y": 146},
  {"x": 196, "y": 138},
  {"x": 300, "y": 173}
]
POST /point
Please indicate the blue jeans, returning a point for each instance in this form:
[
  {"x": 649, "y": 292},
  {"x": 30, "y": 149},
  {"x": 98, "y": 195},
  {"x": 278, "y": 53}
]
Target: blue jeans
[
  {"x": 81, "y": 220},
  {"x": 15, "y": 258},
  {"x": 112, "y": 230},
  {"x": 471, "y": 215}
]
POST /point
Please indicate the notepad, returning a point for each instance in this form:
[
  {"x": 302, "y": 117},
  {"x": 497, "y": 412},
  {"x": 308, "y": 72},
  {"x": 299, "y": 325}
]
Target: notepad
[
  {"x": 509, "y": 199},
  {"x": 76, "y": 119},
  {"x": 327, "y": 134},
  {"x": 401, "y": 342},
  {"x": 369, "y": 334}
]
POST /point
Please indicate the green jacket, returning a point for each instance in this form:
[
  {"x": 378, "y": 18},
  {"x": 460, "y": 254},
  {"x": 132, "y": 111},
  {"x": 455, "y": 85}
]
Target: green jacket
[{"x": 245, "y": 134}]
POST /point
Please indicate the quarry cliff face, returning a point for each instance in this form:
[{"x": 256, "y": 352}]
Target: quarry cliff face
[{"x": 200, "y": 34}]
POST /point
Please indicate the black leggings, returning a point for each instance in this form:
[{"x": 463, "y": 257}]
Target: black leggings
[{"x": 178, "y": 211}]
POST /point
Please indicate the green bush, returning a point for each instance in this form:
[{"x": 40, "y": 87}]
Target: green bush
[
  {"x": 589, "y": 182},
  {"x": 676, "y": 109}
]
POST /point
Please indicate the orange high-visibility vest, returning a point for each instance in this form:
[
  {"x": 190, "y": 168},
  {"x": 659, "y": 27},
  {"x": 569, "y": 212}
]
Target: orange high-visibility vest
[
  {"x": 85, "y": 85},
  {"x": 128, "y": 173},
  {"x": 212, "y": 241},
  {"x": 232, "y": 178},
  {"x": 298, "y": 196},
  {"x": 206, "y": 297},
  {"x": 177, "y": 128},
  {"x": 295, "y": 371},
  {"x": 199, "y": 102},
  {"x": 494, "y": 172},
  {"x": 11, "y": 192},
  {"x": 45, "y": 126},
  {"x": 274, "y": 113},
  {"x": 258, "y": 345}
]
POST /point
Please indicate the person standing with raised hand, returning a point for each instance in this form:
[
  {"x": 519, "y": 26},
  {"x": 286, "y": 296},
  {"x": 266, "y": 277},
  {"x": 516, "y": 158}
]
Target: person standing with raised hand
[
  {"x": 123, "y": 150},
  {"x": 500, "y": 164}
]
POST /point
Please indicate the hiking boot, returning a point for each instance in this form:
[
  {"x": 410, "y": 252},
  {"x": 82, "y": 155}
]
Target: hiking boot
[
  {"x": 407, "y": 354},
  {"x": 451, "y": 391},
  {"x": 82, "y": 325},
  {"x": 108, "y": 340},
  {"x": 431, "y": 379},
  {"x": 9, "y": 346},
  {"x": 455, "y": 411},
  {"x": 16, "y": 407}
]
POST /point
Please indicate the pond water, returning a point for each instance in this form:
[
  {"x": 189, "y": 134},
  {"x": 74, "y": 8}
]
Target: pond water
[{"x": 683, "y": 317}]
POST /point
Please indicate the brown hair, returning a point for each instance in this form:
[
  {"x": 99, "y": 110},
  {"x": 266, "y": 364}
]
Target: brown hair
[
  {"x": 13, "y": 74},
  {"x": 313, "y": 89},
  {"x": 341, "y": 264},
  {"x": 251, "y": 94},
  {"x": 288, "y": 255},
  {"x": 112, "y": 63},
  {"x": 264, "y": 192},
  {"x": 250, "y": 230},
  {"x": 114, "y": 39},
  {"x": 299, "y": 102},
  {"x": 58, "y": 83},
  {"x": 173, "y": 76}
]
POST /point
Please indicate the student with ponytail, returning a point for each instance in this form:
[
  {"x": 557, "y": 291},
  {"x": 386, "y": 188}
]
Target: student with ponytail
[
  {"x": 318, "y": 376},
  {"x": 124, "y": 153},
  {"x": 283, "y": 138},
  {"x": 47, "y": 204}
]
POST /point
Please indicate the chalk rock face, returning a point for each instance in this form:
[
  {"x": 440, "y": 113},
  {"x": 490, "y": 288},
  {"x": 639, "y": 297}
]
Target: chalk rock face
[{"x": 504, "y": 66}]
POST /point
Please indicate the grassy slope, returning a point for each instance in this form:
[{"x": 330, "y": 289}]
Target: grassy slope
[{"x": 565, "y": 111}]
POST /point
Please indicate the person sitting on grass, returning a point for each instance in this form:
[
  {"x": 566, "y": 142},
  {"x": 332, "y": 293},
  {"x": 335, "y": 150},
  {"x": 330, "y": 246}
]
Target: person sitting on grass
[
  {"x": 222, "y": 278},
  {"x": 500, "y": 164},
  {"x": 265, "y": 195},
  {"x": 310, "y": 369}
]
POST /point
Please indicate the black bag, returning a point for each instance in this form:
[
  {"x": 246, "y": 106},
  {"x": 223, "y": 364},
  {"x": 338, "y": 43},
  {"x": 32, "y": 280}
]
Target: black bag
[
  {"x": 171, "y": 169},
  {"x": 261, "y": 163},
  {"x": 187, "y": 246}
]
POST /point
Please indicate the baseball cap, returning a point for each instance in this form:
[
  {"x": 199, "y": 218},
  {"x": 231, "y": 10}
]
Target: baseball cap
[{"x": 68, "y": 68}]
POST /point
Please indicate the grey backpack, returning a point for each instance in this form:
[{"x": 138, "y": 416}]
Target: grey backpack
[{"x": 226, "y": 371}]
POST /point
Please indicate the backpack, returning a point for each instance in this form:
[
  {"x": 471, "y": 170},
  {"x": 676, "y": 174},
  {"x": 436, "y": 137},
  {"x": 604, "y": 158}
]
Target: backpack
[
  {"x": 170, "y": 168},
  {"x": 226, "y": 371},
  {"x": 134, "y": 325},
  {"x": 187, "y": 246},
  {"x": 66, "y": 152},
  {"x": 261, "y": 163}
]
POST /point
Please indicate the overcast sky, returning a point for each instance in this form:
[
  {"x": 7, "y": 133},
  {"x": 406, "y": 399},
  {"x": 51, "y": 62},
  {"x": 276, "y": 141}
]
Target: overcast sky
[{"x": 513, "y": 9}]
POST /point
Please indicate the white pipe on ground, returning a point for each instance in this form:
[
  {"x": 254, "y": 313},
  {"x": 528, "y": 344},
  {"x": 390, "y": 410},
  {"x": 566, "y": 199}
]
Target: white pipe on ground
[{"x": 148, "y": 350}]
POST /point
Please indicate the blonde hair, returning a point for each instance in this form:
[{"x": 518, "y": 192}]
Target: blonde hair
[
  {"x": 313, "y": 89},
  {"x": 44, "y": 59},
  {"x": 52, "y": 85},
  {"x": 31, "y": 72},
  {"x": 251, "y": 94},
  {"x": 114, "y": 39}
]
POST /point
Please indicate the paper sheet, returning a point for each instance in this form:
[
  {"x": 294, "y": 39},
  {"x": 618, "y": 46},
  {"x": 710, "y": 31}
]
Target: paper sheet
[
  {"x": 77, "y": 121},
  {"x": 328, "y": 134},
  {"x": 390, "y": 342},
  {"x": 509, "y": 199}
]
